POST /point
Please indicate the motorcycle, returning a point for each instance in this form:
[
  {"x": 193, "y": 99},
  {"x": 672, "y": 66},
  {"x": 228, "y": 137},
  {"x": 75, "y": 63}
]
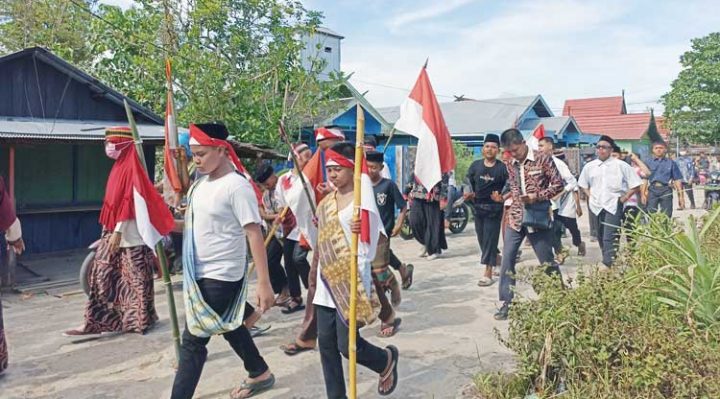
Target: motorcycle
[
  {"x": 712, "y": 190},
  {"x": 89, "y": 261},
  {"x": 459, "y": 218}
]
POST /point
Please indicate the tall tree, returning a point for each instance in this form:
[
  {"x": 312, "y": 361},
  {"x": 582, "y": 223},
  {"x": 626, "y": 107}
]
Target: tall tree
[{"x": 693, "y": 103}]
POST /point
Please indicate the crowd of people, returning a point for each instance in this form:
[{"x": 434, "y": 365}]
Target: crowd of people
[{"x": 518, "y": 193}]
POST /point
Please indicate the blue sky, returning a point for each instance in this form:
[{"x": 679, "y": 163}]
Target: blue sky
[{"x": 489, "y": 48}]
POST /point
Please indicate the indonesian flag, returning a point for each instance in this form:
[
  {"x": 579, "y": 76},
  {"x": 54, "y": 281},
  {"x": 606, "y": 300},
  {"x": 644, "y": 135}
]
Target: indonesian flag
[
  {"x": 371, "y": 225},
  {"x": 313, "y": 172},
  {"x": 297, "y": 200},
  {"x": 534, "y": 140},
  {"x": 420, "y": 116},
  {"x": 171, "y": 134}
]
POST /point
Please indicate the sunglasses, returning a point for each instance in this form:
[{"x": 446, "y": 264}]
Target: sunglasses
[{"x": 603, "y": 147}]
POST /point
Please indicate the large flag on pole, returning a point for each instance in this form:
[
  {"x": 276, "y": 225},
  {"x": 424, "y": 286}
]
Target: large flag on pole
[
  {"x": 420, "y": 116},
  {"x": 534, "y": 140},
  {"x": 371, "y": 225}
]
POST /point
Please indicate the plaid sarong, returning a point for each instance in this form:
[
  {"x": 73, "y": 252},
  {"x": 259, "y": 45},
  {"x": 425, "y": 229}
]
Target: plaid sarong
[{"x": 201, "y": 319}]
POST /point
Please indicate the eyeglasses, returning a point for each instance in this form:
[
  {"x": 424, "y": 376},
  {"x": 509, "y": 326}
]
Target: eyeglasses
[{"x": 603, "y": 147}]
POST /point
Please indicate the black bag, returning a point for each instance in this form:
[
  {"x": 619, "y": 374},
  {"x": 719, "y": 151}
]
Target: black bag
[{"x": 537, "y": 215}]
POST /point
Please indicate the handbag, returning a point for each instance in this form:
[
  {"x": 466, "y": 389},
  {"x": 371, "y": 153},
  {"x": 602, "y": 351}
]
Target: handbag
[{"x": 537, "y": 215}]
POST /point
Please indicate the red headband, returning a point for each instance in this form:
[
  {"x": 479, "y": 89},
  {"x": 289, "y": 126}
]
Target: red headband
[
  {"x": 324, "y": 133},
  {"x": 333, "y": 158}
]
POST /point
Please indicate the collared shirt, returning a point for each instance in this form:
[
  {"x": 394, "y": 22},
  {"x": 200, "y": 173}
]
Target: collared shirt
[
  {"x": 565, "y": 204},
  {"x": 687, "y": 169},
  {"x": 607, "y": 181},
  {"x": 537, "y": 175},
  {"x": 271, "y": 205},
  {"x": 663, "y": 170}
]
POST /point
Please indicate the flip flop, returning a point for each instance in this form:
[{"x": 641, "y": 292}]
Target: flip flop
[
  {"x": 395, "y": 326},
  {"x": 408, "y": 276},
  {"x": 256, "y": 331},
  {"x": 485, "y": 282},
  {"x": 395, "y": 358},
  {"x": 254, "y": 388},
  {"x": 293, "y": 349}
]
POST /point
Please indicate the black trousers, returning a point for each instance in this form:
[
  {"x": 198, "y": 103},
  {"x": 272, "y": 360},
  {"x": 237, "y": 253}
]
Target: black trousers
[
  {"x": 296, "y": 266},
  {"x": 278, "y": 279},
  {"x": 609, "y": 233},
  {"x": 219, "y": 295},
  {"x": 559, "y": 224},
  {"x": 541, "y": 241},
  {"x": 660, "y": 199},
  {"x": 593, "y": 222},
  {"x": 487, "y": 230},
  {"x": 629, "y": 220},
  {"x": 426, "y": 220},
  {"x": 333, "y": 341},
  {"x": 689, "y": 192},
  {"x": 395, "y": 262}
]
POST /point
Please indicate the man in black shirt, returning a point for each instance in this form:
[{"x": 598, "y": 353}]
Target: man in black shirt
[
  {"x": 387, "y": 198},
  {"x": 487, "y": 178}
]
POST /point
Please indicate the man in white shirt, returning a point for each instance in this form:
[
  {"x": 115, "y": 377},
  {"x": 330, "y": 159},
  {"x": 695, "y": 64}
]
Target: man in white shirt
[
  {"x": 609, "y": 183},
  {"x": 566, "y": 207},
  {"x": 222, "y": 214}
]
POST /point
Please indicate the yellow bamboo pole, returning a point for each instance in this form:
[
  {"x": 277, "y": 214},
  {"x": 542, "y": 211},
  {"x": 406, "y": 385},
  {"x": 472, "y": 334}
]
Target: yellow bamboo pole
[{"x": 352, "y": 339}]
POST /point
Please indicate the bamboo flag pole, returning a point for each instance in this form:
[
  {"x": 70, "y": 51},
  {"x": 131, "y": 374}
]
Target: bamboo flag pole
[
  {"x": 352, "y": 339},
  {"x": 159, "y": 250},
  {"x": 296, "y": 165}
]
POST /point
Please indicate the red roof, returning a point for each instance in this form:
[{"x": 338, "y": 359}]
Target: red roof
[
  {"x": 579, "y": 108},
  {"x": 619, "y": 127}
]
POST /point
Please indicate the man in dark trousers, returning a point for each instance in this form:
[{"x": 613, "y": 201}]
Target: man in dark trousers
[
  {"x": 533, "y": 181},
  {"x": 487, "y": 178},
  {"x": 663, "y": 172}
]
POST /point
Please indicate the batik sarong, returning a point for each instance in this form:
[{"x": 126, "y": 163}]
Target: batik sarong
[
  {"x": 335, "y": 260},
  {"x": 122, "y": 295}
]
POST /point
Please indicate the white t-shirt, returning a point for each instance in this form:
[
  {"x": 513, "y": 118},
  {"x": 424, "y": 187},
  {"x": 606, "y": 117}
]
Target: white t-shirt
[{"x": 221, "y": 209}]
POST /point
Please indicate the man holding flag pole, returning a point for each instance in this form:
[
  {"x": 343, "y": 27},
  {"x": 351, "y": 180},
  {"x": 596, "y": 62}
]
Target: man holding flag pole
[{"x": 345, "y": 296}]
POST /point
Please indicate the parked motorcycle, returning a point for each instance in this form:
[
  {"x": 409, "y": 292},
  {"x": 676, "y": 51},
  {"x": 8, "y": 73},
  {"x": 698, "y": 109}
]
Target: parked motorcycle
[{"x": 712, "y": 190}]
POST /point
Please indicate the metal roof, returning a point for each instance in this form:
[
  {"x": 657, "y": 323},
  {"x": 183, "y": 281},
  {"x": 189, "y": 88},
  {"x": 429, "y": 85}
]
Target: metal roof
[
  {"x": 598, "y": 106},
  {"x": 477, "y": 117},
  {"x": 69, "y": 130},
  {"x": 329, "y": 32}
]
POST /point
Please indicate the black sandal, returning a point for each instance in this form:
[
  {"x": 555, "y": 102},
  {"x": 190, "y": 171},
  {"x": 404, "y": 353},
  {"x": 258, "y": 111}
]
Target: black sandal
[
  {"x": 293, "y": 306},
  {"x": 395, "y": 355}
]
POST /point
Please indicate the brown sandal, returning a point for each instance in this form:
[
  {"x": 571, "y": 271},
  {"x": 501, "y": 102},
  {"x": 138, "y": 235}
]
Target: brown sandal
[{"x": 390, "y": 371}]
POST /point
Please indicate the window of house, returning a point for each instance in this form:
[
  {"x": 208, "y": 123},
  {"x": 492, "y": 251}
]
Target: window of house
[{"x": 328, "y": 49}]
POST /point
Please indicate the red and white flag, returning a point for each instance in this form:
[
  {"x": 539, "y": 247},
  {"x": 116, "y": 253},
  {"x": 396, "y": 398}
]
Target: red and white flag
[
  {"x": 371, "y": 225},
  {"x": 534, "y": 140},
  {"x": 420, "y": 116},
  {"x": 294, "y": 197}
]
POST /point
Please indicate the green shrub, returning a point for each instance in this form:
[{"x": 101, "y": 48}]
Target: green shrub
[{"x": 650, "y": 331}]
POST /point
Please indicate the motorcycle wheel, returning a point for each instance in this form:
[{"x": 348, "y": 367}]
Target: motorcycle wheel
[
  {"x": 459, "y": 219},
  {"x": 406, "y": 231},
  {"x": 85, "y": 270}
]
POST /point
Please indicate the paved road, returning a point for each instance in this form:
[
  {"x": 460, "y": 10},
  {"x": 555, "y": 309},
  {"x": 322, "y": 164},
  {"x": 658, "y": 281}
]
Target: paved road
[{"x": 445, "y": 339}]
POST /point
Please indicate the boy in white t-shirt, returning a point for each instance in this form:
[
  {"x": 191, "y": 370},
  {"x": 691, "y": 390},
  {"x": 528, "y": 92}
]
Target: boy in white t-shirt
[{"x": 222, "y": 214}]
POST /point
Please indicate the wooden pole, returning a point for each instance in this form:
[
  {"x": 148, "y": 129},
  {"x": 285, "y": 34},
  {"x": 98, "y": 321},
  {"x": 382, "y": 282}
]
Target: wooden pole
[
  {"x": 296, "y": 166},
  {"x": 159, "y": 249},
  {"x": 269, "y": 237},
  {"x": 352, "y": 339},
  {"x": 387, "y": 143}
]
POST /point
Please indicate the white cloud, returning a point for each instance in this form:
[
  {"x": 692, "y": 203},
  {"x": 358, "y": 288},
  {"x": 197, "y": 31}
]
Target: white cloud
[
  {"x": 558, "y": 48},
  {"x": 121, "y": 3},
  {"x": 429, "y": 11}
]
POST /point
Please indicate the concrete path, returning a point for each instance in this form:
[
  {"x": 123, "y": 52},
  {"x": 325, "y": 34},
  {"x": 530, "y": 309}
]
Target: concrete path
[{"x": 447, "y": 337}]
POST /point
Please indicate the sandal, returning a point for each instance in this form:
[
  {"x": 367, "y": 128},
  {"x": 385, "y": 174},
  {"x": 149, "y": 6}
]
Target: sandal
[
  {"x": 293, "y": 349},
  {"x": 293, "y": 306},
  {"x": 256, "y": 331},
  {"x": 253, "y": 388},
  {"x": 485, "y": 282},
  {"x": 389, "y": 330},
  {"x": 408, "y": 280},
  {"x": 395, "y": 354}
]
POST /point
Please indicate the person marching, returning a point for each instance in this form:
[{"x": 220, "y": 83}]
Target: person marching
[
  {"x": 387, "y": 198},
  {"x": 265, "y": 177},
  {"x": 295, "y": 250},
  {"x": 487, "y": 178},
  {"x": 336, "y": 226},
  {"x": 10, "y": 225},
  {"x": 566, "y": 207},
  {"x": 533, "y": 181},
  {"x": 426, "y": 217},
  {"x": 663, "y": 172},
  {"x": 609, "y": 183},
  {"x": 222, "y": 218},
  {"x": 134, "y": 218},
  {"x": 689, "y": 175},
  {"x": 325, "y": 137}
]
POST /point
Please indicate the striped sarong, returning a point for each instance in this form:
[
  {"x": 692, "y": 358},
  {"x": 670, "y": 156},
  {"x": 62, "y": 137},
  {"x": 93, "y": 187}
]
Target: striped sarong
[{"x": 201, "y": 319}]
